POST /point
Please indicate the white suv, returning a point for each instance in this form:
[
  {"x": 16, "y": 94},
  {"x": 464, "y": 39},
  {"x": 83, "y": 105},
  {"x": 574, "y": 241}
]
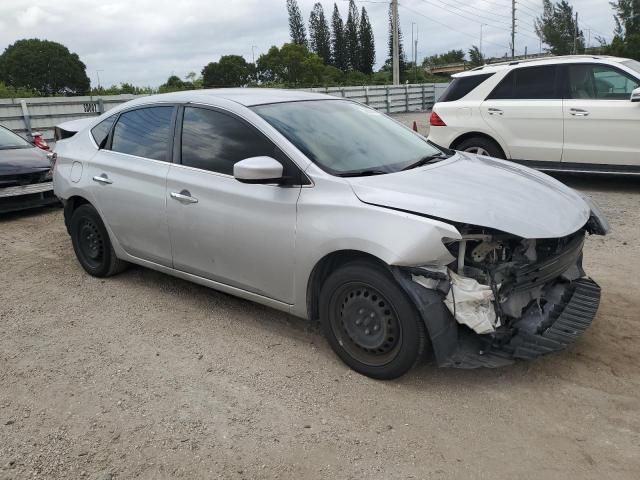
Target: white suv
[{"x": 573, "y": 113}]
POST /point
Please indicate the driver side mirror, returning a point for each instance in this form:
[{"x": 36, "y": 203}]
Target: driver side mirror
[
  {"x": 259, "y": 170},
  {"x": 635, "y": 95}
]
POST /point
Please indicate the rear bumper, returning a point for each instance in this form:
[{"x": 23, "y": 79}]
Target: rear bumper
[{"x": 26, "y": 196}]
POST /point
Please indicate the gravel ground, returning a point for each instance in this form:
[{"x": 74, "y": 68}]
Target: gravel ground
[{"x": 146, "y": 376}]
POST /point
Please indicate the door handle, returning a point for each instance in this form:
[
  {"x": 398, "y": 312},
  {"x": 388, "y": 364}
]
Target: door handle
[
  {"x": 495, "y": 111},
  {"x": 184, "y": 197},
  {"x": 578, "y": 112},
  {"x": 102, "y": 179}
]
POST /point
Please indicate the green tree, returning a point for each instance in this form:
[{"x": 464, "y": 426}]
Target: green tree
[
  {"x": 475, "y": 57},
  {"x": 452, "y": 56},
  {"x": 352, "y": 37},
  {"x": 319, "y": 33},
  {"x": 367, "y": 45},
  {"x": 292, "y": 66},
  {"x": 47, "y": 67},
  {"x": 403, "y": 58},
  {"x": 338, "y": 43},
  {"x": 229, "y": 71},
  {"x": 296, "y": 24},
  {"x": 556, "y": 27},
  {"x": 626, "y": 40}
]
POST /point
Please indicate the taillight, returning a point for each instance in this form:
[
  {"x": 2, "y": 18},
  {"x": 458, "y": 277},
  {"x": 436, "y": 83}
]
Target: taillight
[
  {"x": 436, "y": 121},
  {"x": 40, "y": 142}
]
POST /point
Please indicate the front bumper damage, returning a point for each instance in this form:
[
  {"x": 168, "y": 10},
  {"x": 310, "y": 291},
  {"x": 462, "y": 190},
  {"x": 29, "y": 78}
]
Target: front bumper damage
[{"x": 554, "y": 299}]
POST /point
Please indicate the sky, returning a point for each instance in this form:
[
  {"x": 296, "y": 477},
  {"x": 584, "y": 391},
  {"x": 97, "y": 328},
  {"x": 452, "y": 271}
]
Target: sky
[{"x": 143, "y": 42}]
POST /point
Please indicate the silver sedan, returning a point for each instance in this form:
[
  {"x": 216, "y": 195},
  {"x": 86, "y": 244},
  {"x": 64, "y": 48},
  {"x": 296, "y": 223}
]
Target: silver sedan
[{"x": 332, "y": 211}]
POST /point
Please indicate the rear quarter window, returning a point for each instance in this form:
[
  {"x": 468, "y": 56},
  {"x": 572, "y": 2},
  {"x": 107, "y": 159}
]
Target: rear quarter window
[
  {"x": 100, "y": 132},
  {"x": 462, "y": 86}
]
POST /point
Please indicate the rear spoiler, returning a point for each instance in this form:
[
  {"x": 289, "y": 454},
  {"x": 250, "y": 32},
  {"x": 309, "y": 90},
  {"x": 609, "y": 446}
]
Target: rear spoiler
[{"x": 69, "y": 129}]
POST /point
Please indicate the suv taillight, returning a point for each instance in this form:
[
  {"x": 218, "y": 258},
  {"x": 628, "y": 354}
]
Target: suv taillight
[{"x": 436, "y": 121}]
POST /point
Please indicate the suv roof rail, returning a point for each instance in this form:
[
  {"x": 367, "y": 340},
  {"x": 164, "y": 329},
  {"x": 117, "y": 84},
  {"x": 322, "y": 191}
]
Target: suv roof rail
[{"x": 538, "y": 58}]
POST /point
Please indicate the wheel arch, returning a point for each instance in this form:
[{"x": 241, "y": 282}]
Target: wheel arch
[
  {"x": 70, "y": 206},
  {"x": 468, "y": 135},
  {"x": 325, "y": 266}
]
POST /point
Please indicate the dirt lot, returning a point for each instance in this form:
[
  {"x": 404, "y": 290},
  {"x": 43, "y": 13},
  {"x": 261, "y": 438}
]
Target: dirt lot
[{"x": 146, "y": 376}]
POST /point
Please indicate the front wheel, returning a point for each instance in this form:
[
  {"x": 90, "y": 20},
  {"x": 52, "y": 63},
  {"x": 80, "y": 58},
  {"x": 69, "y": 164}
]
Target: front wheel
[{"x": 370, "y": 322}]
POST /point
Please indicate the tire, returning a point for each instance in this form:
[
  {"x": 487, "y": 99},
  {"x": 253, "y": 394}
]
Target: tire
[
  {"x": 91, "y": 243},
  {"x": 370, "y": 322},
  {"x": 480, "y": 146}
]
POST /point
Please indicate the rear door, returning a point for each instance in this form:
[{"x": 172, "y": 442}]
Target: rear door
[
  {"x": 602, "y": 125},
  {"x": 128, "y": 178},
  {"x": 525, "y": 110}
]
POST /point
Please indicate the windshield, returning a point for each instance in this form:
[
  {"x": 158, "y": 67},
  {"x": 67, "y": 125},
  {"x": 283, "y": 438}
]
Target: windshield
[
  {"x": 632, "y": 64},
  {"x": 9, "y": 140},
  {"x": 343, "y": 137}
]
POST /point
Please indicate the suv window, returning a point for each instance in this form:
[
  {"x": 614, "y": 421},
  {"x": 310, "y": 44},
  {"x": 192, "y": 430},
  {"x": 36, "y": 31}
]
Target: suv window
[
  {"x": 528, "y": 83},
  {"x": 461, "y": 86},
  {"x": 600, "y": 82},
  {"x": 145, "y": 132},
  {"x": 101, "y": 131},
  {"x": 215, "y": 141}
]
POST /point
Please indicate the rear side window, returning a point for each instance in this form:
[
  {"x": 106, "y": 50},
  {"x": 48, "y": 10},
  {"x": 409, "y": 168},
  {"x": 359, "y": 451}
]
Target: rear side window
[
  {"x": 528, "y": 83},
  {"x": 101, "y": 131},
  {"x": 461, "y": 86},
  {"x": 215, "y": 141},
  {"x": 145, "y": 132}
]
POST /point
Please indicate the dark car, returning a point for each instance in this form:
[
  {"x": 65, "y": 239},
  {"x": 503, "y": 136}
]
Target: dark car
[{"x": 25, "y": 174}]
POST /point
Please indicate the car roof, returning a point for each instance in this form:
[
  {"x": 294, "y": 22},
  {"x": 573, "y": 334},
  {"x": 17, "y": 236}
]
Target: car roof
[
  {"x": 510, "y": 64},
  {"x": 245, "y": 96}
]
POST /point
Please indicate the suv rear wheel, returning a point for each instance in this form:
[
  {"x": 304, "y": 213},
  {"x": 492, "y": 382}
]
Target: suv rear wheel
[
  {"x": 370, "y": 322},
  {"x": 480, "y": 146},
  {"x": 91, "y": 243}
]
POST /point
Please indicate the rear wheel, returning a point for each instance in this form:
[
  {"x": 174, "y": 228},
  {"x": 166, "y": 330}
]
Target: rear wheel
[
  {"x": 91, "y": 243},
  {"x": 370, "y": 322},
  {"x": 480, "y": 146}
]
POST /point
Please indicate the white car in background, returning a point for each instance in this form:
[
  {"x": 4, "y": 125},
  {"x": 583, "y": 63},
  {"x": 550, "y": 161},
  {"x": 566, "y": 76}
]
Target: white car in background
[{"x": 574, "y": 113}]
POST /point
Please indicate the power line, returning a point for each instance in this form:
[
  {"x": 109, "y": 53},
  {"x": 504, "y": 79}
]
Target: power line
[{"x": 449, "y": 27}]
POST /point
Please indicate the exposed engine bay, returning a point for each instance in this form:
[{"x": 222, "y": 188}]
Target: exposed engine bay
[{"x": 507, "y": 297}]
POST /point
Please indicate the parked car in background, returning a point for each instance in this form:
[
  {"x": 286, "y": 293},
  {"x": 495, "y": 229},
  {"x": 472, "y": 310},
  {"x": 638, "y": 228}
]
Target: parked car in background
[
  {"x": 25, "y": 174},
  {"x": 574, "y": 113},
  {"x": 330, "y": 210}
]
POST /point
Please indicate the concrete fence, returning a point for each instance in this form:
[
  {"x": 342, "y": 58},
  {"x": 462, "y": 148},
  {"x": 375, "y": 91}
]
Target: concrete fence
[{"x": 25, "y": 116}]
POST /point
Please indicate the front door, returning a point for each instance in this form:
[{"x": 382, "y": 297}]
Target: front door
[
  {"x": 601, "y": 124},
  {"x": 242, "y": 235},
  {"x": 129, "y": 181},
  {"x": 525, "y": 109}
]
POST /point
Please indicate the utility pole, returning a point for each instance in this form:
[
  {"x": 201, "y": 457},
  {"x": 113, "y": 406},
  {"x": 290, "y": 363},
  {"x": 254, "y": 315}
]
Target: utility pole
[
  {"x": 253, "y": 53},
  {"x": 575, "y": 37},
  {"x": 481, "y": 25},
  {"x": 396, "y": 43},
  {"x": 513, "y": 28},
  {"x": 415, "y": 58}
]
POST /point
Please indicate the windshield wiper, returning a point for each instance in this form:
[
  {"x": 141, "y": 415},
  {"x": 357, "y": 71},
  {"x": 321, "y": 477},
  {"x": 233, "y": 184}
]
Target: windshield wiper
[
  {"x": 425, "y": 160},
  {"x": 363, "y": 173}
]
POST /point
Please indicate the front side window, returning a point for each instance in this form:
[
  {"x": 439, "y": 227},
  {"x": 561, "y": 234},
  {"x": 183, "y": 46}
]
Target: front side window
[
  {"x": 461, "y": 86},
  {"x": 346, "y": 138},
  {"x": 528, "y": 83},
  {"x": 145, "y": 132},
  {"x": 215, "y": 141},
  {"x": 101, "y": 131},
  {"x": 600, "y": 82}
]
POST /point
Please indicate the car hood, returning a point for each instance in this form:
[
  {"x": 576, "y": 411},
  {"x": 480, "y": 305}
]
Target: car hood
[
  {"x": 18, "y": 161},
  {"x": 481, "y": 191}
]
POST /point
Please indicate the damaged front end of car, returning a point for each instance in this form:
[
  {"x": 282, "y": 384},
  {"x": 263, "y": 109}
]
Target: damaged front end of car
[{"x": 505, "y": 297}]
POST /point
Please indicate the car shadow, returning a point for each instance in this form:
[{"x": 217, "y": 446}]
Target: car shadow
[
  {"x": 600, "y": 183},
  {"x": 28, "y": 213}
]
